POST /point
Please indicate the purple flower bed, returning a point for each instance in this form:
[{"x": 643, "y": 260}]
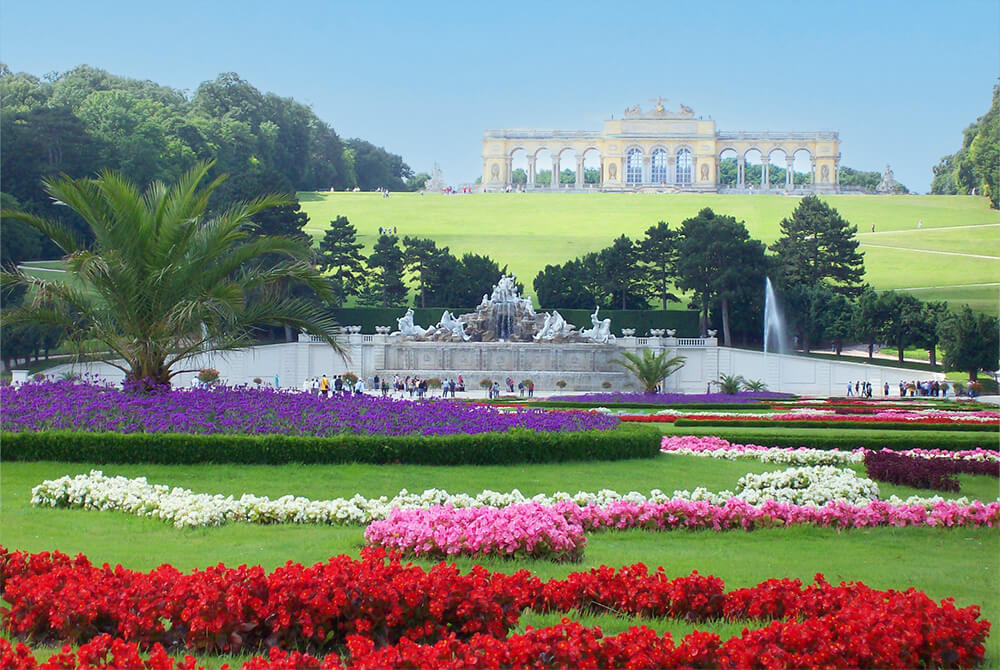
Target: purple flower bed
[
  {"x": 66, "y": 405},
  {"x": 674, "y": 398},
  {"x": 924, "y": 473}
]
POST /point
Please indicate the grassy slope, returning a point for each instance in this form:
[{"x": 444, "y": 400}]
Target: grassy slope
[
  {"x": 528, "y": 231},
  {"x": 945, "y": 563}
]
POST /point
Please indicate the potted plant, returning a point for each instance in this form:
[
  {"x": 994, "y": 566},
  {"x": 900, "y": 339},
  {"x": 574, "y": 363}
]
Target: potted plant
[
  {"x": 350, "y": 379},
  {"x": 208, "y": 376},
  {"x": 486, "y": 384},
  {"x": 605, "y": 385},
  {"x": 258, "y": 381},
  {"x": 561, "y": 384}
]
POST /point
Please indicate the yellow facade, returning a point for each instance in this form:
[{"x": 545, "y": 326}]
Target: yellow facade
[{"x": 659, "y": 150}]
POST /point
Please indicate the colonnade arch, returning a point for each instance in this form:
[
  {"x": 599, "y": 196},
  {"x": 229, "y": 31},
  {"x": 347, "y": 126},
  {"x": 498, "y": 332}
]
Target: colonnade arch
[{"x": 661, "y": 150}]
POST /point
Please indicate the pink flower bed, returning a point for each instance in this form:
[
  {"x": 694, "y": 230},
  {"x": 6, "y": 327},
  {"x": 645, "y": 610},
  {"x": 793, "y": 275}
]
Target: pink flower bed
[
  {"x": 531, "y": 530},
  {"x": 557, "y": 532}
]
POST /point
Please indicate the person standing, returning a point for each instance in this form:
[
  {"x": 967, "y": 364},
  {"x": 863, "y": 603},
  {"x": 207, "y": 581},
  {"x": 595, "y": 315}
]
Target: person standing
[
  {"x": 324, "y": 387},
  {"x": 850, "y": 389}
]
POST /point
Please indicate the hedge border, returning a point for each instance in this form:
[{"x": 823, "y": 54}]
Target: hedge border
[
  {"x": 813, "y": 424},
  {"x": 514, "y": 446}
]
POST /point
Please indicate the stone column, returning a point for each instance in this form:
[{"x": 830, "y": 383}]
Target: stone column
[
  {"x": 671, "y": 170},
  {"x": 765, "y": 176},
  {"x": 812, "y": 172},
  {"x": 836, "y": 172},
  {"x": 555, "y": 171},
  {"x": 741, "y": 171},
  {"x": 579, "y": 172},
  {"x": 531, "y": 172},
  {"x": 646, "y": 169},
  {"x": 790, "y": 173},
  {"x": 508, "y": 164}
]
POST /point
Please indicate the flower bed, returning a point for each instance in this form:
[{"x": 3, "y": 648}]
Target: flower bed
[
  {"x": 186, "y": 509},
  {"x": 673, "y": 398},
  {"x": 67, "y": 405},
  {"x": 716, "y": 447},
  {"x": 924, "y": 473},
  {"x": 518, "y": 531},
  {"x": 389, "y": 615}
]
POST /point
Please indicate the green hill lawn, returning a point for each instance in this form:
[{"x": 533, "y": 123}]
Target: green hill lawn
[{"x": 953, "y": 255}]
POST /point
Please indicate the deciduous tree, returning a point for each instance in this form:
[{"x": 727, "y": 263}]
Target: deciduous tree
[{"x": 971, "y": 342}]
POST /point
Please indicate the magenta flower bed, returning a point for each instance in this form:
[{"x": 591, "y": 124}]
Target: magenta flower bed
[
  {"x": 674, "y": 398},
  {"x": 64, "y": 405},
  {"x": 518, "y": 531}
]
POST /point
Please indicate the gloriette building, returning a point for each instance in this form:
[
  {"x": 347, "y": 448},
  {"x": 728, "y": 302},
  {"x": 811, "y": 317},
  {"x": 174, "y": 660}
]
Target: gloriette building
[{"x": 661, "y": 150}]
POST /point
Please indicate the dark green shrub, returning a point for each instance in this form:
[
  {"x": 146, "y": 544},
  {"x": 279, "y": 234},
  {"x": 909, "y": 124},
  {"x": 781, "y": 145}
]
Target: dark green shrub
[{"x": 516, "y": 446}]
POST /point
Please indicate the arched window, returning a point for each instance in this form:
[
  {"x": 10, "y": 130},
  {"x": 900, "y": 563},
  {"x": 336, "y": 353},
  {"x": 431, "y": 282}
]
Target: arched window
[
  {"x": 683, "y": 166},
  {"x": 633, "y": 166},
  {"x": 658, "y": 163}
]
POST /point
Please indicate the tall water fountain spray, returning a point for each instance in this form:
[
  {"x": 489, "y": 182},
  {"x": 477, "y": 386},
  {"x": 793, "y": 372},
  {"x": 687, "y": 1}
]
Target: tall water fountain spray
[{"x": 775, "y": 336}]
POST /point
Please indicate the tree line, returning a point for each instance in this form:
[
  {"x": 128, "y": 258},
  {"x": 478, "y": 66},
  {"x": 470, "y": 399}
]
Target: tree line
[
  {"x": 86, "y": 120},
  {"x": 975, "y": 167}
]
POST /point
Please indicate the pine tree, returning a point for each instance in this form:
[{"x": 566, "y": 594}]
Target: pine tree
[
  {"x": 818, "y": 245},
  {"x": 658, "y": 254},
  {"x": 340, "y": 256},
  {"x": 385, "y": 285}
]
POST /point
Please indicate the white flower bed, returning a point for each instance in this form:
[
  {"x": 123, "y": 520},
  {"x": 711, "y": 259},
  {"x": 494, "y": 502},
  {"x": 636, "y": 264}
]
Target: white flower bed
[{"x": 186, "y": 509}]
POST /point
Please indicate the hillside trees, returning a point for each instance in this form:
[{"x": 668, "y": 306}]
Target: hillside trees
[
  {"x": 85, "y": 120},
  {"x": 974, "y": 167}
]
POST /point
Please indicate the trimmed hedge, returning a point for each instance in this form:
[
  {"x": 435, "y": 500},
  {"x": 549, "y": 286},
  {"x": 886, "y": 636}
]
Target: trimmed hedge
[
  {"x": 896, "y": 440},
  {"x": 833, "y": 423},
  {"x": 515, "y": 446}
]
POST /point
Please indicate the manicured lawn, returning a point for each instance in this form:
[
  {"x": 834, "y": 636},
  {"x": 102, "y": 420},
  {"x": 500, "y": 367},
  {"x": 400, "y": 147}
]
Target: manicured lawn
[
  {"x": 529, "y": 231},
  {"x": 963, "y": 564}
]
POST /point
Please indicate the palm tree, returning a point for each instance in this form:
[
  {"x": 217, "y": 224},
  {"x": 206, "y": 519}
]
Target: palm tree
[
  {"x": 651, "y": 369},
  {"x": 730, "y": 384},
  {"x": 162, "y": 280}
]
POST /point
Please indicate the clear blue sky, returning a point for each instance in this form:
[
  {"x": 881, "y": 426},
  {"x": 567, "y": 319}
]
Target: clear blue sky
[{"x": 898, "y": 79}]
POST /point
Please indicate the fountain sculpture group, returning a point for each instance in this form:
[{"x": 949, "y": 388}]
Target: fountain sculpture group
[{"x": 504, "y": 316}]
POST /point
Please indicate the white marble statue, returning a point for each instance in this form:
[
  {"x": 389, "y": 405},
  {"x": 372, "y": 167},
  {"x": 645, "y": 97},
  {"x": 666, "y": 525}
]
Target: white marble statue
[
  {"x": 407, "y": 327},
  {"x": 554, "y": 326},
  {"x": 601, "y": 330},
  {"x": 452, "y": 325},
  {"x": 671, "y": 332},
  {"x": 712, "y": 333}
]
